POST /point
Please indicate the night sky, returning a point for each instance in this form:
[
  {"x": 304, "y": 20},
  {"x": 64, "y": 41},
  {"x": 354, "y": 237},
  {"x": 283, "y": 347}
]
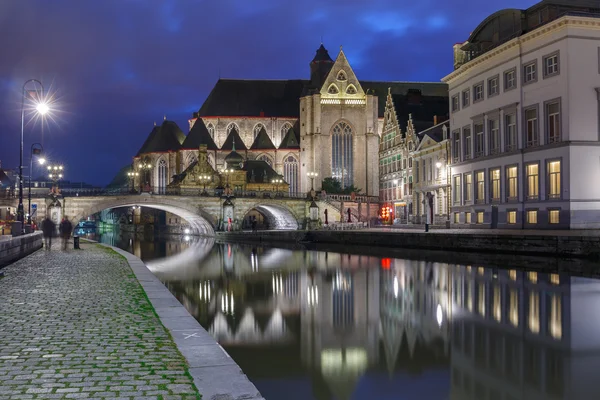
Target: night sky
[{"x": 116, "y": 66}]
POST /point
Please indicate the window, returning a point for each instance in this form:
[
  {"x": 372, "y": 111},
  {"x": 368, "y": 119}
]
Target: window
[
  {"x": 468, "y": 142},
  {"x": 480, "y": 187},
  {"x": 479, "y": 217},
  {"x": 495, "y": 184},
  {"x": 342, "y": 154},
  {"x": 284, "y": 130},
  {"x": 410, "y": 162},
  {"x": 456, "y": 147},
  {"x": 341, "y": 76},
  {"x": 455, "y": 104},
  {"x": 416, "y": 172},
  {"x": 553, "y": 216},
  {"x": 532, "y": 216},
  {"x": 493, "y": 86},
  {"x": 553, "y": 179},
  {"x": 478, "y": 92},
  {"x": 511, "y": 217},
  {"x": 479, "y": 143},
  {"x": 257, "y": 129},
  {"x": 466, "y": 98},
  {"x": 494, "y": 136},
  {"x": 456, "y": 189},
  {"x": 211, "y": 130},
  {"x": 510, "y": 79},
  {"x": 530, "y": 72},
  {"x": 456, "y": 218},
  {"x": 350, "y": 89},
  {"x": 265, "y": 158},
  {"x": 333, "y": 89},
  {"x": 467, "y": 217},
  {"x": 553, "y": 122},
  {"x": 162, "y": 176},
  {"x": 532, "y": 127},
  {"x": 512, "y": 183},
  {"x": 532, "y": 181},
  {"x": 510, "y": 121},
  {"x": 468, "y": 187},
  {"x": 290, "y": 173},
  {"x": 551, "y": 66},
  {"x": 555, "y": 278}
]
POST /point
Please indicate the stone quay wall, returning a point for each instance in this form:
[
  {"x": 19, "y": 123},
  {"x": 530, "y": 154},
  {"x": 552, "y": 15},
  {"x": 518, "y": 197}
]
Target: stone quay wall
[
  {"x": 568, "y": 245},
  {"x": 15, "y": 248}
]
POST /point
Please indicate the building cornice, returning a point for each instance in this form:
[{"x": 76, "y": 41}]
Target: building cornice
[{"x": 561, "y": 23}]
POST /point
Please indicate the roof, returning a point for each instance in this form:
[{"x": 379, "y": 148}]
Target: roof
[
  {"x": 250, "y": 98},
  {"x": 5, "y": 181},
  {"x": 164, "y": 138},
  {"x": 233, "y": 140},
  {"x": 436, "y": 132},
  {"x": 422, "y": 108},
  {"x": 121, "y": 179},
  {"x": 259, "y": 172},
  {"x": 427, "y": 89},
  {"x": 322, "y": 54},
  {"x": 290, "y": 140},
  {"x": 262, "y": 141},
  {"x": 199, "y": 135}
]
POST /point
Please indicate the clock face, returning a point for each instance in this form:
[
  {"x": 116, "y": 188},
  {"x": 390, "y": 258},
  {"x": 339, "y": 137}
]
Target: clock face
[{"x": 241, "y": 165}]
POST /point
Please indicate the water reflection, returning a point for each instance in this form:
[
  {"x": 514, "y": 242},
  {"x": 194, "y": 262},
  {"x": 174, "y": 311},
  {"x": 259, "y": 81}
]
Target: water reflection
[{"x": 321, "y": 325}]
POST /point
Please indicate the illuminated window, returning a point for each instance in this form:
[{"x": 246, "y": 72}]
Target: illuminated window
[
  {"x": 532, "y": 216},
  {"x": 555, "y": 279},
  {"x": 480, "y": 187},
  {"x": 513, "y": 307},
  {"x": 467, "y": 217},
  {"x": 481, "y": 299},
  {"x": 457, "y": 189},
  {"x": 532, "y": 181},
  {"x": 456, "y": 218},
  {"x": 341, "y": 76},
  {"x": 333, "y": 89},
  {"x": 211, "y": 130},
  {"x": 512, "y": 274},
  {"x": 534, "y": 312},
  {"x": 511, "y": 217},
  {"x": 290, "y": 173},
  {"x": 497, "y": 304},
  {"x": 480, "y": 217},
  {"x": 495, "y": 184},
  {"x": 512, "y": 190},
  {"x": 162, "y": 176},
  {"x": 532, "y": 276},
  {"x": 555, "y": 321},
  {"x": 554, "y": 216},
  {"x": 351, "y": 89},
  {"x": 342, "y": 154},
  {"x": 554, "y": 180},
  {"x": 468, "y": 187}
]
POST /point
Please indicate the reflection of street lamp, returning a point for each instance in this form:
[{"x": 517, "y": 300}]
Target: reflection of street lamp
[
  {"x": 439, "y": 165},
  {"x": 55, "y": 173},
  {"x": 204, "y": 179},
  {"x": 41, "y": 108},
  {"x": 132, "y": 175},
  {"x": 37, "y": 151}
]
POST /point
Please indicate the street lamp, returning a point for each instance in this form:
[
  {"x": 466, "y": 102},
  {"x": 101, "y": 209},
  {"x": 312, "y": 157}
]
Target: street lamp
[
  {"x": 37, "y": 151},
  {"x": 132, "y": 175},
  {"x": 227, "y": 172},
  {"x": 204, "y": 179},
  {"x": 41, "y": 108},
  {"x": 276, "y": 182},
  {"x": 55, "y": 173},
  {"x": 145, "y": 166},
  {"x": 312, "y": 176}
]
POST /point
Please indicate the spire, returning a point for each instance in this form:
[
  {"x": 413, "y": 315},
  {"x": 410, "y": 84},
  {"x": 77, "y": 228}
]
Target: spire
[
  {"x": 341, "y": 47},
  {"x": 233, "y": 148}
]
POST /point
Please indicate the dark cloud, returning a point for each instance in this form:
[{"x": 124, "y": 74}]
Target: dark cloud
[{"x": 116, "y": 66}]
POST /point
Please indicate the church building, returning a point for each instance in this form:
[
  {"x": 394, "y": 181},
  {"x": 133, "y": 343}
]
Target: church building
[{"x": 329, "y": 124}]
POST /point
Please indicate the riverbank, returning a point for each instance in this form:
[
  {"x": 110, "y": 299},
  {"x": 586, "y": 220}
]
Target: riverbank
[
  {"x": 94, "y": 323},
  {"x": 565, "y": 244}
]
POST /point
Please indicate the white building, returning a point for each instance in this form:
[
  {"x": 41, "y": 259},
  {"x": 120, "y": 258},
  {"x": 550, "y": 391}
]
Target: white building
[{"x": 525, "y": 119}]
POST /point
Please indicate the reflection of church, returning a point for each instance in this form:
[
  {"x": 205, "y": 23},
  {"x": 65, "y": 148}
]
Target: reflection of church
[{"x": 329, "y": 124}]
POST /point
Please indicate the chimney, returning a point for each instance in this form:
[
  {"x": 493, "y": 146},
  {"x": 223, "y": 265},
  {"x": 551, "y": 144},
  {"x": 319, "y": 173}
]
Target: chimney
[
  {"x": 262, "y": 114},
  {"x": 435, "y": 120}
]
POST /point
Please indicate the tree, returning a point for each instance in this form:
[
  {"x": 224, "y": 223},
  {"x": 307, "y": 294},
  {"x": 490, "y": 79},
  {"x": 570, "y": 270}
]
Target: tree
[{"x": 334, "y": 186}]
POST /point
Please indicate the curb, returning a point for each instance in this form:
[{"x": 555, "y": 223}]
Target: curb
[{"x": 215, "y": 374}]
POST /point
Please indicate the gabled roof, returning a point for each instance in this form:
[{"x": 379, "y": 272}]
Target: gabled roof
[
  {"x": 262, "y": 141},
  {"x": 199, "y": 135},
  {"x": 436, "y": 132},
  {"x": 239, "y": 143},
  {"x": 164, "y": 138},
  {"x": 290, "y": 141},
  {"x": 248, "y": 98},
  {"x": 259, "y": 172}
]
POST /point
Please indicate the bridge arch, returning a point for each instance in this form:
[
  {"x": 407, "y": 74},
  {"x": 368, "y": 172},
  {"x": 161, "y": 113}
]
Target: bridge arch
[
  {"x": 201, "y": 222},
  {"x": 278, "y": 215}
]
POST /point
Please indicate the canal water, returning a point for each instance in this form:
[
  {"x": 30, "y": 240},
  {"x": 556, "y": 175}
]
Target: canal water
[{"x": 306, "y": 324}]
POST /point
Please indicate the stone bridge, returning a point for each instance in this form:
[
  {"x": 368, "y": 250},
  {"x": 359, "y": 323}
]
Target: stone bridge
[{"x": 204, "y": 214}]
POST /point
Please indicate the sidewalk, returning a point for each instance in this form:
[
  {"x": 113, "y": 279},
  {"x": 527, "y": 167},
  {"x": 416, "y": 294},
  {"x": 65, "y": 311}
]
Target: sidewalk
[
  {"x": 483, "y": 231},
  {"x": 77, "y": 324}
]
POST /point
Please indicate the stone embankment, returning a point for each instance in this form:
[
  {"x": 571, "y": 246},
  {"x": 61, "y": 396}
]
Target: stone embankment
[
  {"x": 571, "y": 244},
  {"x": 91, "y": 323},
  {"x": 15, "y": 248}
]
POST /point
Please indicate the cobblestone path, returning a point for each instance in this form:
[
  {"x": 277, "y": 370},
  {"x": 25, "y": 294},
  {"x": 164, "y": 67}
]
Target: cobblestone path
[{"x": 77, "y": 324}]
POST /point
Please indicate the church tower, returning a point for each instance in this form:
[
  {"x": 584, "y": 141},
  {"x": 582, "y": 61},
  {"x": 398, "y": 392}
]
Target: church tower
[
  {"x": 320, "y": 67},
  {"x": 338, "y": 130}
]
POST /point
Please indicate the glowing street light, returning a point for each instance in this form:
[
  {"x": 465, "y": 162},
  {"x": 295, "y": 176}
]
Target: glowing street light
[
  {"x": 42, "y": 108},
  {"x": 37, "y": 151},
  {"x": 204, "y": 179},
  {"x": 132, "y": 175}
]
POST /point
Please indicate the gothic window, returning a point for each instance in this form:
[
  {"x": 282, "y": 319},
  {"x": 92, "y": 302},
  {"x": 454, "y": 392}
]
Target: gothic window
[
  {"x": 290, "y": 173},
  {"x": 191, "y": 158},
  {"x": 265, "y": 158},
  {"x": 257, "y": 129},
  {"x": 351, "y": 89},
  {"x": 162, "y": 176},
  {"x": 341, "y": 76},
  {"x": 333, "y": 89},
  {"x": 342, "y": 154},
  {"x": 211, "y": 130},
  {"x": 284, "y": 130},
  {"x": 230, "y": 127}
]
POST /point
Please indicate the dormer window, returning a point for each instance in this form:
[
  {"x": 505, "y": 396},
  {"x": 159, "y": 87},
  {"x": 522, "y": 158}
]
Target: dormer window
[
  {"x": 341, "y": 76},
  {"x": 351, "y": 89},
  {"x": 333, "y": 89}
]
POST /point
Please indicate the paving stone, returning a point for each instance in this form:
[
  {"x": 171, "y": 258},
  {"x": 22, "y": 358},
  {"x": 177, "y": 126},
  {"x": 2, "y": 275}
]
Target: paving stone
[{"x": 77, "y": 324}]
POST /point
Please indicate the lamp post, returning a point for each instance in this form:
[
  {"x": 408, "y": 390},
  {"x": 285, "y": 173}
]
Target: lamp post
[
  {"x": 41, "y": 109},
  {"x": 132, "y": 175},
  {"x": 227, "y": 172},
  {"x": 38, "y": 151},
  {"x": 145, "y": 166},
  {"x": 276, "y": 182},
  {"x": 204, "y": 179},
  {"x": 312, "y": 176},
  {"x": 55, "y": 173}
]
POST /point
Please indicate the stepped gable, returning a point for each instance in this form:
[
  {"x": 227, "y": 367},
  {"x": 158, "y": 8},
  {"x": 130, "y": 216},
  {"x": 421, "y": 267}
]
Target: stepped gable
[
  {"x": 262, "y": 141},
  {"x": 199, "y": 135},
  {"x": 229, "y": 142},
  {"x": 290, "y": 141}
]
